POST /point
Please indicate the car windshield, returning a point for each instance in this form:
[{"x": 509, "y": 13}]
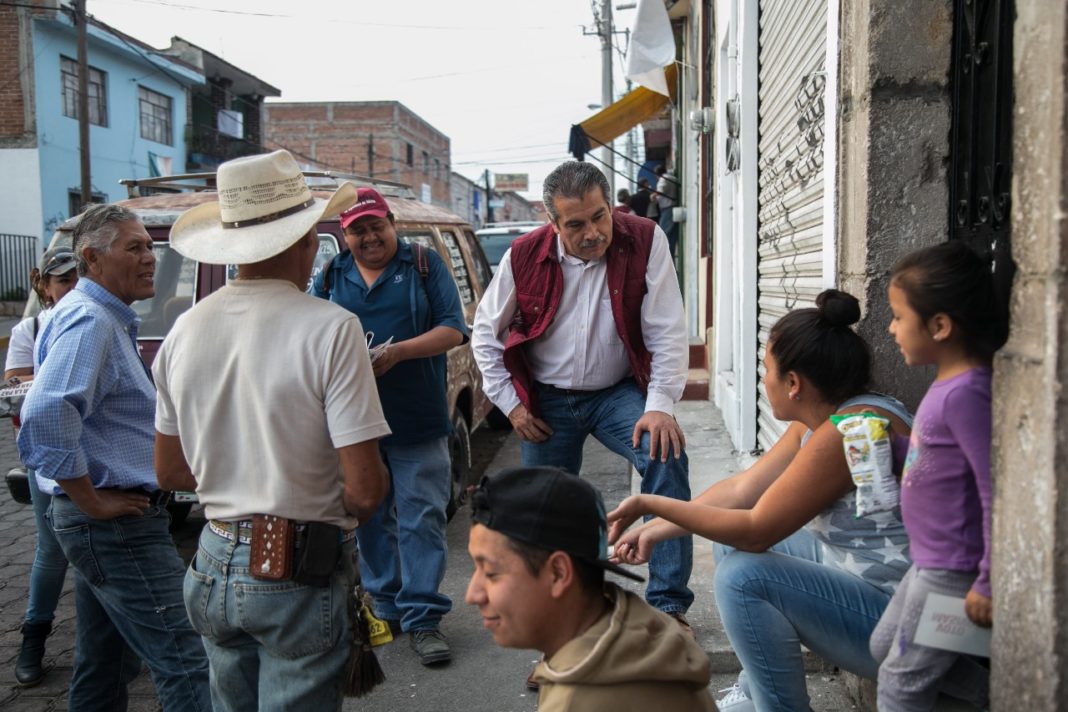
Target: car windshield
[
  {"x": 175, "y": 286},
  {"x": 495, "y": 245}
]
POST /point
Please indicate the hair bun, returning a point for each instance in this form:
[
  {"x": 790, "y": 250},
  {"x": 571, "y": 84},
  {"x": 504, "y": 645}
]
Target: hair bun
[{"x": 838, "y": 308}]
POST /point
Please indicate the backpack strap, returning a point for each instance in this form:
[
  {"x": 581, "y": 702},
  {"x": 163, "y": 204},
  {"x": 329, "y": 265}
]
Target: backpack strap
[
  {"x": 421, "y": 263},
  {"x": 328, "y": 271},
  {"x": 36, "y": 326}
]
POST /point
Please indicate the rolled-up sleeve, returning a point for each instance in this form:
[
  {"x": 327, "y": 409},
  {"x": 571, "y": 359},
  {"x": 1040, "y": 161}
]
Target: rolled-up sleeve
[
  {"x": 73, "y": 366},
  {"x": 492, "y": 319}
]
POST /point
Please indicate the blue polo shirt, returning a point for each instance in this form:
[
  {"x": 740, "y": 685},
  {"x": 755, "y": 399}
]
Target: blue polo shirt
[{"x": 402, "y": 305}]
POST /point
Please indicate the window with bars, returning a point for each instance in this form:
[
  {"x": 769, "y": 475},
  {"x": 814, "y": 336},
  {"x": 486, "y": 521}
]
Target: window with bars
[
  {"x": 155, "y": 116},
  {"x": 98, "y": 105}
]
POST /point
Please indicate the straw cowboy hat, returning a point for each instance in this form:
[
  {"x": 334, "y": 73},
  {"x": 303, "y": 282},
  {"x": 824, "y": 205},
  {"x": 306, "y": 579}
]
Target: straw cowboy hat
[{"x": 264, "y": 207}]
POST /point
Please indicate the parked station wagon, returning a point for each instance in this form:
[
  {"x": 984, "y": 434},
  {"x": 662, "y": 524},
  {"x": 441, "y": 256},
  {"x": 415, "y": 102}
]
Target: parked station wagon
[{"x": 180, "y": 282}]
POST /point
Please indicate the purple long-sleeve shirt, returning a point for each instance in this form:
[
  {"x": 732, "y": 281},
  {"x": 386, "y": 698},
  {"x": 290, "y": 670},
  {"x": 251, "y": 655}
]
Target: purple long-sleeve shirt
[{"x": 945, "y": 490}]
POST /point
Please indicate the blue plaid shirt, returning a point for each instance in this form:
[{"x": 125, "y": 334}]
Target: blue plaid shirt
[{"x": 92, "y": 405}]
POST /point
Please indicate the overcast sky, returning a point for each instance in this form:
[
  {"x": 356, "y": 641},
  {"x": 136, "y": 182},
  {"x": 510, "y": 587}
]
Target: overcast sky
[{"x": 503, "y": 79}]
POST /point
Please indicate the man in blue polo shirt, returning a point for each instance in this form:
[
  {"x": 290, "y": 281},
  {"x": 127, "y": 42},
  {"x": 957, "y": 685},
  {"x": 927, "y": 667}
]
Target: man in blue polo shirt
[{"x": 404, "y": 295}]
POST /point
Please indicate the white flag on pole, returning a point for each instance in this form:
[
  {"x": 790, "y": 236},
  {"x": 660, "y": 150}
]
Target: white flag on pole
[{"x": 652, "y": 46}]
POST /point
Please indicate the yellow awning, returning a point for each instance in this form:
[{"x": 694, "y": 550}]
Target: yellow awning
[{"x": 636, "y": 106}]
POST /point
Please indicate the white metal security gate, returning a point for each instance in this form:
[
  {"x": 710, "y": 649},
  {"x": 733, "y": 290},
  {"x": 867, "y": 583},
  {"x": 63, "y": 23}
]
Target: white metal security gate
[{"x": 793, "y": 56}]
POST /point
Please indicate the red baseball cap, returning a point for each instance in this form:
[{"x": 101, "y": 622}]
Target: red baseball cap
[{"x": 368, "y": 202}]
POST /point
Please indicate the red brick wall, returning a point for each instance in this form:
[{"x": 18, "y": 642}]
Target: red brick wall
[
  {"x": 336, "y": 135},
  {"x": 12, "y": 103}
]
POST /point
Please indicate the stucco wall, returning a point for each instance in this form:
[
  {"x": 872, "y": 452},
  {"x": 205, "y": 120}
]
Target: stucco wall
[
  {"x": 894, "y": 147},
  {"x": 1030, "y": 555},
  {"x": 117, "y": 150}
]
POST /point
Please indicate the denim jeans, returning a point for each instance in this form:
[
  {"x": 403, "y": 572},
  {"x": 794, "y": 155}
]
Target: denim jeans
[
  {"x": 609, "y": 415},
  {"x": 402, "y": 547},
  {"x": 49, "y": 562},
  {"x": 773, "y": 602},
  {"x": 128, "y": 597},
  {"x": 272, "y": 645}
]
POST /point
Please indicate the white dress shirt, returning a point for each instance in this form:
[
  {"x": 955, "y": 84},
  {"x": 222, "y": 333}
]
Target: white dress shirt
[{"x": 581, "y": 349}]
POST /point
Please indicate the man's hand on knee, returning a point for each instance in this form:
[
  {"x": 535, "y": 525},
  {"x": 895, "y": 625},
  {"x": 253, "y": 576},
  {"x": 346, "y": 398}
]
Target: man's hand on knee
[
  {"x": 665, "y": 435},
  {"x": 529, "y": 428}
]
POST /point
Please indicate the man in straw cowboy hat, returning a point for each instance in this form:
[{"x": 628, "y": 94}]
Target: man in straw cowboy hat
[
  {"x": 267, "y": 407},
  {"x": 87, "y": 432},
  {"x": 538, "y": 543}
]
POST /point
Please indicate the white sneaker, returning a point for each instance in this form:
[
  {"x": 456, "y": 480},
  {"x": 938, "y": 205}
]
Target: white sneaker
[{"x": 735, "y": 700}]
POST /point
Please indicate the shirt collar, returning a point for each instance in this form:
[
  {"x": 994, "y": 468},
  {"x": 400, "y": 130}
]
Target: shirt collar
[{"x": 123, "y": 312}]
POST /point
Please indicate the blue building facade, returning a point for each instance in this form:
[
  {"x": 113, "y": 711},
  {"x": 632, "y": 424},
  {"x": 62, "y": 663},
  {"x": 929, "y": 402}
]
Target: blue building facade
[{"x": 138, "y": 114}]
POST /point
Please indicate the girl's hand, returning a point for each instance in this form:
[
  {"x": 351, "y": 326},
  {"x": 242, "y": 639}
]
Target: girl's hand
[
  {"x": 979, "y": 608},
  {"x": 620, "y": 518},
  {"x": 633, "y": 548}
]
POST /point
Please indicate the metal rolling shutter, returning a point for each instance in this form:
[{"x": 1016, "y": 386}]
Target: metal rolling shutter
[{"x": 790, "y": 201}]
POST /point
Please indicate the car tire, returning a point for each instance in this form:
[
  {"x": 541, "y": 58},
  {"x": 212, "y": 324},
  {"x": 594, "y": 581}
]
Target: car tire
[
  {"x": 460, "y": 464},
  {"x": 498, "y": 420}
]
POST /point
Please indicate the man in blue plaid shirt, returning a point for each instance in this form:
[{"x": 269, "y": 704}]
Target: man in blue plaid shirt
[{"x": 88, "y": 431}]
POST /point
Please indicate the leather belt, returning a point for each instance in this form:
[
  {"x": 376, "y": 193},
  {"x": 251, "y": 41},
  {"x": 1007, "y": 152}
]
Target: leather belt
[{"x": 241, "y": 530}]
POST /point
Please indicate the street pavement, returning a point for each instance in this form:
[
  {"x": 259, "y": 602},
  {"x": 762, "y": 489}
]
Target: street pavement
[{"x": 481, "y": 677}]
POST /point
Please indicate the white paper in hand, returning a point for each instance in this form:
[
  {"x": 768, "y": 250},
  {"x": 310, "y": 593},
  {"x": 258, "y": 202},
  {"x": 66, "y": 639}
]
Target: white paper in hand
[{"x": 945, "y": 625}]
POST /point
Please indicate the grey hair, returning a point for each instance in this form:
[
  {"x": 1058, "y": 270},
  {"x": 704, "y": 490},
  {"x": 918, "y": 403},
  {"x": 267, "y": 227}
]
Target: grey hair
[
  {"x": 573, "y": 179},
  {"x": 98, "y": 228}
]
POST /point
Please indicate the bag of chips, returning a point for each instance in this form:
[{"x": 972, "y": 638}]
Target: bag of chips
[{"x": 866, "y": 441}]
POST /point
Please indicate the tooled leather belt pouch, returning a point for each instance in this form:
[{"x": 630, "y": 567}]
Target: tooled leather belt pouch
[{"x": 271, "y": 558}]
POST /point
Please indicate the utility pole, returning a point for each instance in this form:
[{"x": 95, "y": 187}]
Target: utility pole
[
  {"x": 489, "y": 197},
  {"x": 371, "y": 156},
  {"x": 83, "y": 100},
  {"x": 606, "y": 88}
]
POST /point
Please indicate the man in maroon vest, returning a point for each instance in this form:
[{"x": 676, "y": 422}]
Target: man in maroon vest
[{"x": 582, "y": 332}]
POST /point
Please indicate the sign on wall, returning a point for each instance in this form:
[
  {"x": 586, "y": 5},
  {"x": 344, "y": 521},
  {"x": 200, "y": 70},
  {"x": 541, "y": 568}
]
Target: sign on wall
[{"x": 510, "y": 181}]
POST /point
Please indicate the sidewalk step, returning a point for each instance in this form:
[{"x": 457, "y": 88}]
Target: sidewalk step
[{"x": 696, "y": 385}]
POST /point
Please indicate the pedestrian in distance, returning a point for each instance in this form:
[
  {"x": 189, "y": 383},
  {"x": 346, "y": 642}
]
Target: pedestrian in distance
[
  {"x": 405, "y": 295},
  {"x": 51, "y": 280},
  {"x": 581, "y": 332},
  {"x": 795, "y": 565},
  {"x": 946, "y": 314},
  {"x": 666, "y": 196},
  {"x": 87, "y": 432},
  {"x": 538, "y": 544},
  {"x": 639, "y": 202},
  {"x": 267, "y": 409},
  {"x": 623, "y": 201}
]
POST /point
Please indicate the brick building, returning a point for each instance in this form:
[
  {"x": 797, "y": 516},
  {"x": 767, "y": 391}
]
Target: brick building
[{"x": 380, "y": 139}]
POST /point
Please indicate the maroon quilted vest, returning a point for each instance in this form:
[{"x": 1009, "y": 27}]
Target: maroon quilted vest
[{"x": 539, "y": 283}]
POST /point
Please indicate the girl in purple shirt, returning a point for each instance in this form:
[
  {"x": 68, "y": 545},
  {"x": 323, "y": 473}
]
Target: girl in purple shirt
[{"x": 945, "y": 314}]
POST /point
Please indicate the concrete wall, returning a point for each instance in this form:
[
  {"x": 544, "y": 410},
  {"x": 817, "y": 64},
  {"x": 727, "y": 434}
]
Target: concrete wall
[
  {"x": 20, "y": 192},
  {"x": 893, "y": 168},
  {"x": 1030, "y": 556},
  {"x": 336, "y": 134}
]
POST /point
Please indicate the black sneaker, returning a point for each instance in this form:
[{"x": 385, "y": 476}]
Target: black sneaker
[{"x": 430, "y": 645}]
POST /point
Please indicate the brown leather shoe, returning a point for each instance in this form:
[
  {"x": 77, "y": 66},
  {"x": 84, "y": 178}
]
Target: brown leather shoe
[{"x": 683, "y": 623}]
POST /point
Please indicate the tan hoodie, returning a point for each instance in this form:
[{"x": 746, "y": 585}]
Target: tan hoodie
[{"x": 633, "y": 658}]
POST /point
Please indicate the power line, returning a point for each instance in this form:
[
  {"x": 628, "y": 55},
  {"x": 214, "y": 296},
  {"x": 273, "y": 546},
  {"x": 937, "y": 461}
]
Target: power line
[{"x": 362, "y": 23}]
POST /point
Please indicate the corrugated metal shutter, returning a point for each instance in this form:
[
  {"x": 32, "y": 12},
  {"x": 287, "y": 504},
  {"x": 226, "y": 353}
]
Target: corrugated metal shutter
[{"x": 793, "y": 55}]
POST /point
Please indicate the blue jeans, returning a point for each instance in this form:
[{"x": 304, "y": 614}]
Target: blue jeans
[
  {"x": 49, "y": 562},
  {"x": 273, "y": 645},
  {"x": 402, "y": 547},
  {"x": 773, "y": 602},
  {"x": 128, "y": 597},
  {"x": 609, "y": 415}
]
